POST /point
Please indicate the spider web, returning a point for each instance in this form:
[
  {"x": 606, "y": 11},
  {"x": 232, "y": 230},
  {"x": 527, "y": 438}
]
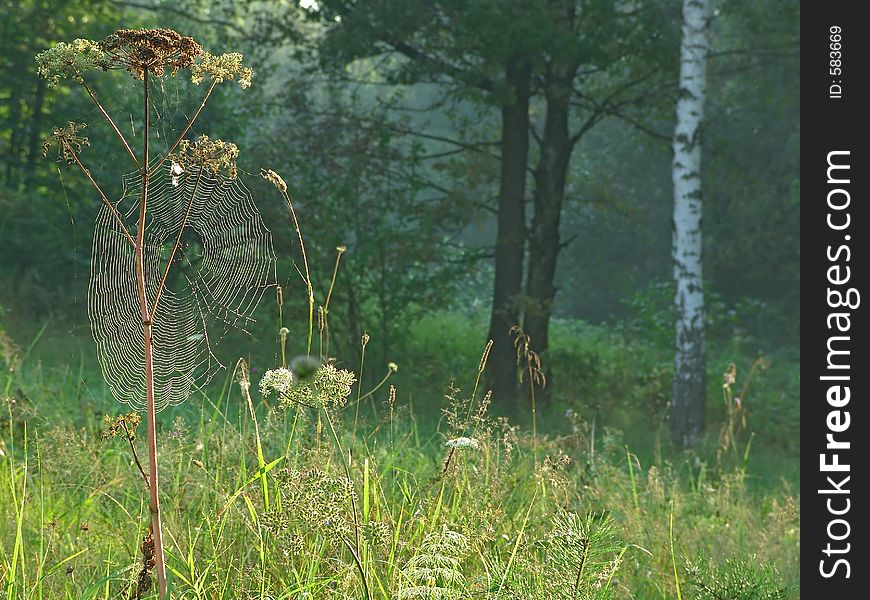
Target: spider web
[{"x": 220, "y": 272}]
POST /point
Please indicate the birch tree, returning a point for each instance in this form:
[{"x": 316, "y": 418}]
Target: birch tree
[{"x": 687, "y": 405}]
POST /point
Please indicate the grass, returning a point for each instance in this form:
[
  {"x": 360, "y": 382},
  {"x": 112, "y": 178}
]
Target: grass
[{"x": 259, "y": 501}]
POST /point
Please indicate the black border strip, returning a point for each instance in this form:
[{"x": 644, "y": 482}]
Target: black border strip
[{"x": 834, "y": 221}]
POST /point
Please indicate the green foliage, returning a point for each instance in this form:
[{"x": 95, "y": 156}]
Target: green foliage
[
  {"x": 736, "y": 579},
  {"x": 578, "y": 558},
  {"x": 435, "y": 571}
]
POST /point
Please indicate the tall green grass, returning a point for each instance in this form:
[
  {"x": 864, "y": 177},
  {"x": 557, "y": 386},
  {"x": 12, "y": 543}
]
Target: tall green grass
[{"x": 254, "y": 509}]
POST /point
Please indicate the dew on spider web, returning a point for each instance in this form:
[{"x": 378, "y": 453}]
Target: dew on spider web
[{"x": 224, "y": 264}]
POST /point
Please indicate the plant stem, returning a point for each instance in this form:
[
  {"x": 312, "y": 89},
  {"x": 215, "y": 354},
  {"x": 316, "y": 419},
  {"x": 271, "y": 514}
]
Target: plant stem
[
  {"x": 307, "y": 276},
  {"x": 359, "y": 567},
  {"x": 147, "y": 330},
  {"x": 135, "y": 454},
  {"x": 673, "y": 554},
  {"x": 109, "y": 119},
  {"x": 102, "y": 195},
  {"x": 346, "y": 464},
  {"x": 340, "y": 251}
]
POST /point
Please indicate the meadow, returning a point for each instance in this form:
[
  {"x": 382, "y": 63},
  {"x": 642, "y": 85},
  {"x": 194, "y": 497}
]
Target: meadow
[{"x": 409, "y": 490}]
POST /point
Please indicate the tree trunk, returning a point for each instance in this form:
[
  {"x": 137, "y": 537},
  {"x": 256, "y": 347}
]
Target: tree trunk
[
  {"x": 687, "y": 406},
  {"x": 510, "y": 237},
  {"x": 544, "y": 243},
  {"x": 14, "y": 153},
  {"x": 35, "y": 129}
]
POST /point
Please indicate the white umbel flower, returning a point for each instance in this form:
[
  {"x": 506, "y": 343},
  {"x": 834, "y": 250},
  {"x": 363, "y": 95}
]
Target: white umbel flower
[
  {"x": 463, "y": 442},
  {"x": 277, "y": 381}
]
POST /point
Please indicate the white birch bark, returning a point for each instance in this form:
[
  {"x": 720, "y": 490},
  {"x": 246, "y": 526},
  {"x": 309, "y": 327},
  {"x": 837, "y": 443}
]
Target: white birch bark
[{"x": 687, "y": 408}]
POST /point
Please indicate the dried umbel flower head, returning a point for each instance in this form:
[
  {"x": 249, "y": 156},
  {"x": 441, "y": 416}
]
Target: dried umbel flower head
[
  {"x": 215, "y": 156},
  {"x": 220, "y": 68},
  {"x": 124, "y": 425},
  {"x": 376, "y": 533},
  {"x": 69, "y": 142},
  {"x": 152, "y": 50},
  {"x": 138, "y": 51},
  {"x": 70, "y": 60}
]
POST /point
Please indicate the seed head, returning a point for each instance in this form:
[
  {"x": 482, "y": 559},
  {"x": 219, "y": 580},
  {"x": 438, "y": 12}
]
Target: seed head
[
  {"x": 273, "y": 178},
  {"x": 152, "y": 50}
]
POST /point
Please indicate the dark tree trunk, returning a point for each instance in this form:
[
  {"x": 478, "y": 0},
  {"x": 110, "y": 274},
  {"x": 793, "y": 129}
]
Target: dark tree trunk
[
  {"x": 544, "y": 242},
  {"x": 511, "y": 235},
  {"x": 14, "y": 152},
  {"x": 35, "y": 127}
]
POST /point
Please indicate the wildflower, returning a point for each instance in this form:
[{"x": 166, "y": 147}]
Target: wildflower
[
  {"x": 278, "y": 381},
  {"x": 463, "y": 442},
  {"x": 212, "y": 155},
  {"x": 70, "y": 61},
  {"x": 122, "y": 425},
  {"x": 393, "y": 367},
  {"x": 376, "y": 533},
  {"x": 220, "y": 68},
  {"x": 334, "y": 384}
]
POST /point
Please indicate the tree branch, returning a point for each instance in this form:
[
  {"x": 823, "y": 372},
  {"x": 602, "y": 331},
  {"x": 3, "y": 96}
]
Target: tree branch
[{"x": 441, "y": 66}]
